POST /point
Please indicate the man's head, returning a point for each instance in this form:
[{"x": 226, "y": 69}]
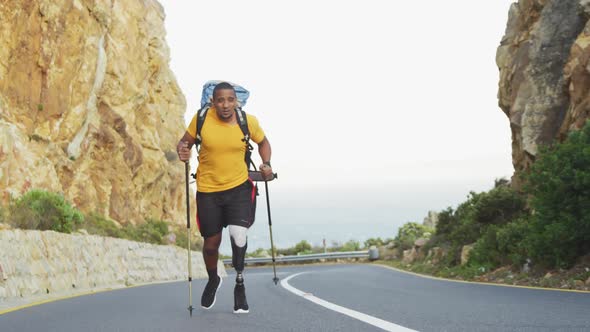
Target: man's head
[{"x": 225, "y": 100}]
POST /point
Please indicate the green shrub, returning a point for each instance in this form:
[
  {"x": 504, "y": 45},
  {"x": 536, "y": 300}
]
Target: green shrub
[
  {"x": 408, "y": 233},
  {"x": 465, "y": 272},
  {"x": 286, "y": 251},
  {"x": 152, "y": 231},
  {"x": 351, "y": 245},
  {"x": 477, "y": 220},
  {"x": 302, "y": 247},
  {"x": 485, "y": 251},
  {"x": 500, "y": 245},
  {"x": 182, "y": 240},
  {"x": 377, "y": 242},
  {"x": 501, "y": 182},
  {"x": 42, "y": 210},
  {"x": 96, "y": 224},
  {"x": 435, "y": 241},
  {"x": 511, "y": 240},
  {"x": 499, "y": 206},
  {"x": 458, "y": 228},
  {"x": 374, "y": 242},
  {"x": 559, "y": 183},
  {"x": 260, "y": 252},
  {"x": 446, "y": 223}
]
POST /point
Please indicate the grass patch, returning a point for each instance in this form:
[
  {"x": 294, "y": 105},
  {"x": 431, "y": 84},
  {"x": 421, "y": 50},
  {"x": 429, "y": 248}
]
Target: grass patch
[
  {"x": 182, "y": 241},
  {"x": 456, "y": 272},
  {"x": 2, "y": 215},
  {"x": 97, "y": 224}
]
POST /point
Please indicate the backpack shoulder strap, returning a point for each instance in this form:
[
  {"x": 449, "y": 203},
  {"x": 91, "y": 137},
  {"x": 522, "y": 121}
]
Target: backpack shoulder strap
[
  {"x": 243, "y": 123},
  {"x": 201, "y": 116}
]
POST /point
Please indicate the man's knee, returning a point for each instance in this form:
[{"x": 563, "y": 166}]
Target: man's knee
[
  {"x": 211, "y": 245},
  {"x": 212, "y": 251}
]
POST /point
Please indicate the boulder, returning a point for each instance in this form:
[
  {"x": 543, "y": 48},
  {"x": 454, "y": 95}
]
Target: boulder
[
  {"x": 435, "y": 255},
  {"x": 420, "y": 242},
  {"x": 409, "y": 256},
  {"x": 465, "y": 253}
]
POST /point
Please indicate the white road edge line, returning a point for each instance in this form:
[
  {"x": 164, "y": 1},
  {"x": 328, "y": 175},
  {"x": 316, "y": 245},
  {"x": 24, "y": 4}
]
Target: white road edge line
[{"x": 383, "y": 324}]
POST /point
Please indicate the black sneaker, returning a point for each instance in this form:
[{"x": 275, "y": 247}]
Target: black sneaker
[
  {"x": 209, "y": 293},
  {"x": 240, "y": 303}
]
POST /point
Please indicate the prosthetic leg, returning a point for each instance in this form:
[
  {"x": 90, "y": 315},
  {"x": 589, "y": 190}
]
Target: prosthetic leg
[{"x": 239, "y": 245}]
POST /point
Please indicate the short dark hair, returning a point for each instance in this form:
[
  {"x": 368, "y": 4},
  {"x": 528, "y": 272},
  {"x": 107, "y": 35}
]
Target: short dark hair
[{"x": 223, "y": 86}]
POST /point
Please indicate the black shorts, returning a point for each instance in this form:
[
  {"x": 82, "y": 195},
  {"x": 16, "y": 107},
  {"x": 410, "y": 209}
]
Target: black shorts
[{"x": 235, "y": 206}]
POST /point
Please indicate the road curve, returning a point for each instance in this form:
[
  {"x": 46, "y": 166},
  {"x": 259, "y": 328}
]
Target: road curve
[{"x": 353, "y": 297}]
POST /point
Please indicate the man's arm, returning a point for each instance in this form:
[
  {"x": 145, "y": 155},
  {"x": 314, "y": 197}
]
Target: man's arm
[
  {"x": 184, "y": 147},
  {"x": 265, "y": 152}
]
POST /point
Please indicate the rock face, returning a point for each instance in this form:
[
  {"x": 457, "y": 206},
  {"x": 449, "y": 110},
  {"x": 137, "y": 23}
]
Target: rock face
[
  {"x": 431, "y": 219},
  {"x": 544, "y": 74},
  {"x": 90, "y": 108}
]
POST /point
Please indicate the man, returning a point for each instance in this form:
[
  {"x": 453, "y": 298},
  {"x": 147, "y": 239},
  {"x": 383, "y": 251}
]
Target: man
[{"x": 225, "y": 194}]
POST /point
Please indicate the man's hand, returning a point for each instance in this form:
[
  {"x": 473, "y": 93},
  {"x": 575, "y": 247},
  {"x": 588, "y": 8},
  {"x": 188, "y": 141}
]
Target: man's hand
[
  {"x": 266, "y": 171},
  {"x": 184, "y": 151}
]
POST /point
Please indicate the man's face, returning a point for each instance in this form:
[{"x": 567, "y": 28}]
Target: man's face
[{"x": 225, "y": 103}]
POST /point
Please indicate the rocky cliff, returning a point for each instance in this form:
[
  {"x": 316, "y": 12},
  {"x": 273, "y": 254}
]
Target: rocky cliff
[
  {"x": 90, "y": 108},
  {"x": 544, "y": 73}
]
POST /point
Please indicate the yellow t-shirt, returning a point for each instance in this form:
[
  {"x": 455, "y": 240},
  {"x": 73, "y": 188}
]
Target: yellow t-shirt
[{"x": 221, "y": 158}]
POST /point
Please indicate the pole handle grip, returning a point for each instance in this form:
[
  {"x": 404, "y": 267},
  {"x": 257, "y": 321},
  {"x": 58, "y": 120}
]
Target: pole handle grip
[{"x": 256, "y": 176}]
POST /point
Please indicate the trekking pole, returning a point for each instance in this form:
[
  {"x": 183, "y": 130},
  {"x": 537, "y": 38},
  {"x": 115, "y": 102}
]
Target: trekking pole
[
  {"x": 257, "y": 177},
  {"x": 272, "y": 246},
  {"x": 188, "y": 234}
]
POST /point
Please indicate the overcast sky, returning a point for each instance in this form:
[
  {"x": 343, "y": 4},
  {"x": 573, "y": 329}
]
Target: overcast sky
[{"x": 382, "y": 109}]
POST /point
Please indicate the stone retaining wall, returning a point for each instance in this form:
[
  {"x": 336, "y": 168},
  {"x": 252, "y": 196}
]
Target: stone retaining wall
[{"x": 33, "y": 263}]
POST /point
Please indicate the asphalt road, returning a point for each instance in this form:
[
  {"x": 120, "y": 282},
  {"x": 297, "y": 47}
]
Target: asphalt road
[{"x": 316, "y": 298}]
